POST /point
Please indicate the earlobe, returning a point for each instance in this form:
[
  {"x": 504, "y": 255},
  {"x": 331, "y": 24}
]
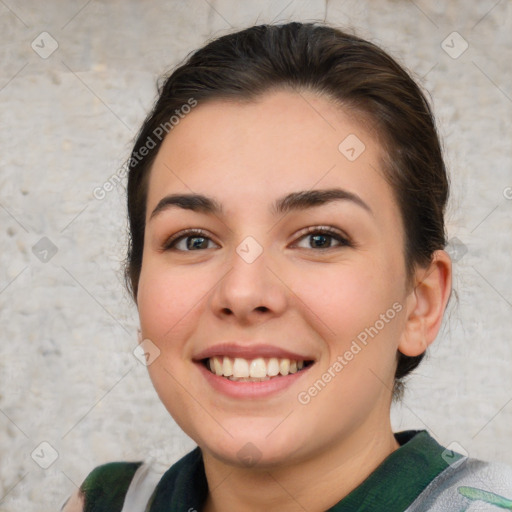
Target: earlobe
[{"x": 426, "y": 305}]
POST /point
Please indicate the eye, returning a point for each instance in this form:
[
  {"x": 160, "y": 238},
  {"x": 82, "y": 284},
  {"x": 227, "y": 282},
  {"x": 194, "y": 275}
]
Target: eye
[
  {"x": 319, "y": 237},
  {"x": 189, "y": 240}
]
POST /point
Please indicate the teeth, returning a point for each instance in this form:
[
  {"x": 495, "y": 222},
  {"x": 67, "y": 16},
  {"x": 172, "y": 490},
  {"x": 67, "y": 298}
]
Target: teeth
[
  {"x": 240, "y": 368},
  {"x": 258, "y": 368},
  {"x": 227, "y": 367},
  {"x": 254, "y": 370},
  {"x": 248, "y": 379},
  {"x": 217, "y": 366},
  {"x": 273, "y": 367}
]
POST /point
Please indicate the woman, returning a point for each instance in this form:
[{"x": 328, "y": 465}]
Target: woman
[{"x": 286, "y": 201}]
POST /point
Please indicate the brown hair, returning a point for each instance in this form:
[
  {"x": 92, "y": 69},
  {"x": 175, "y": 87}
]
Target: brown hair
[{"x": 350, "y": 71}]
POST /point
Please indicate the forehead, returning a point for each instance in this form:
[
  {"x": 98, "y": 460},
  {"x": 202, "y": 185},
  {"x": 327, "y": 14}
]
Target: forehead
[{"x": 262, "y": 149}]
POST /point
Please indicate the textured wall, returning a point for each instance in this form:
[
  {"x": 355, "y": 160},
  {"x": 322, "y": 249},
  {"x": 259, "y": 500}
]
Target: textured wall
[{"x": 67, "y": 373}]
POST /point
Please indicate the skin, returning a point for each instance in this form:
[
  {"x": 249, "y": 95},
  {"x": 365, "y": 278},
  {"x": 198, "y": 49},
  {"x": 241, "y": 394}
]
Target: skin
[
  {"x": 75, "y": 503},
  {"x": 295, "y": 296}
]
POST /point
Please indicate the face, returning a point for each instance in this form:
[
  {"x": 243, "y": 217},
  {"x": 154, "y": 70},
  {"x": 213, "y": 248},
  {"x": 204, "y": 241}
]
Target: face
[{"x": 273, "y": 245}]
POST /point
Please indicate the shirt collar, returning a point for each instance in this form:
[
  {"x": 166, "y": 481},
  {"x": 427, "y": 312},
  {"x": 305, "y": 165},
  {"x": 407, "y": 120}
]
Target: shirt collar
[
  {"x": 393, "y": 486},
  {"x": 401, "y": 477}
]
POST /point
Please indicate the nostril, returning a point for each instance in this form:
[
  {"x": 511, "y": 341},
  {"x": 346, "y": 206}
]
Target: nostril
[{"x": 261, "y": 309}]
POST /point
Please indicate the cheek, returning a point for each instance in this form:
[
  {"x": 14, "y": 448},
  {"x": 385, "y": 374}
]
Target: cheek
[
  {"x": 168, "y": 299},
  {"x": 357, "y": 311},
  {"x": 347, "y": 299}
]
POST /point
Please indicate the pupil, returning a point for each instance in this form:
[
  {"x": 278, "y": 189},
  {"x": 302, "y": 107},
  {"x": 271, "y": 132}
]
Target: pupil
[
  {"x": 320, "y": 240},
  {"x": 195, "y": 242}
]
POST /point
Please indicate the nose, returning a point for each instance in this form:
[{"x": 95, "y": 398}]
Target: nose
[{"x": 249, "y": 292}]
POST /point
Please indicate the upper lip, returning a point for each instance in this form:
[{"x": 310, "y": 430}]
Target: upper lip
[{"x": 234, "y": 350}]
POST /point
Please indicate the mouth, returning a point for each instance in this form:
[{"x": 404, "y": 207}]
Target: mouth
[{"x": 259, "y": 369}]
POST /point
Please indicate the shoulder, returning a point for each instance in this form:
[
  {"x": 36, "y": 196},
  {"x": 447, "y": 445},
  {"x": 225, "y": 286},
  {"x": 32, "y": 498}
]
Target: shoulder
[
  {"x": 491, "y": 476},
  {"x": 75, "y": 503},
  {"x": 469, "y": 484},
  {"x": 104, "y": 488},
  {"x": 107, "y": 487}
]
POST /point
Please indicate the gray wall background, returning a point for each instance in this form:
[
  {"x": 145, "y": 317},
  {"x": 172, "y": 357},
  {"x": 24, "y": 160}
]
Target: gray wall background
[{"x": 68, "y": 378}]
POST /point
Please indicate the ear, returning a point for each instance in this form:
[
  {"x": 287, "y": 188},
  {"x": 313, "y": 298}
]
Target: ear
[{"x": 426, "y": 305}]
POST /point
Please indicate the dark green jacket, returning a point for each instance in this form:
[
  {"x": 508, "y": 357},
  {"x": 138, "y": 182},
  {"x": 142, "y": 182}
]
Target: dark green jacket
[{"x": 420, "y": 476}]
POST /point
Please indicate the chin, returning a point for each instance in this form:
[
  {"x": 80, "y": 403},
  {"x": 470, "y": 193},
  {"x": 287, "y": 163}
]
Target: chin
[
  {"x": 262, "y": 447},
  {"x": 249, "y": 455}
]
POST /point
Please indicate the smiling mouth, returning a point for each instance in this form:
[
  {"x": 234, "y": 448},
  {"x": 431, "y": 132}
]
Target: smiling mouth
[{"x": 254, "y": 370}]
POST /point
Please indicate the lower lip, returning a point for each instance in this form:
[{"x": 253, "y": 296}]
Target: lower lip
[{"x": 237, "y": 389}]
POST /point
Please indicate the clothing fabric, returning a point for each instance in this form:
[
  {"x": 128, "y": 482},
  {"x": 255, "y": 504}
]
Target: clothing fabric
[{"x": 419, "y": 476}]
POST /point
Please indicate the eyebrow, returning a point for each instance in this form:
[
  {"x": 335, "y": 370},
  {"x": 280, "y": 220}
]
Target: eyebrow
[
  {"x": 311, "y": 198},
  {"x": 194, "y": 202},
  {"x": 295, "y": 201}
]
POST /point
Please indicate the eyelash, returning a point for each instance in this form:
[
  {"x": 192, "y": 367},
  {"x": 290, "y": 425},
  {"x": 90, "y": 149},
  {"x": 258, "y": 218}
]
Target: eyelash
[
  {"x": 313, "y": 230},
  {"x": 343, "y": 240}
]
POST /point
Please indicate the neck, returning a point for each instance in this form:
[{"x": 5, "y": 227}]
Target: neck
[{"x": 314, "y": 484}]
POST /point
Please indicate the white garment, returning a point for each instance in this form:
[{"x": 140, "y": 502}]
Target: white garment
[
  {"x": 143, "y": 484},
  {"x": 487, "y": 482}
]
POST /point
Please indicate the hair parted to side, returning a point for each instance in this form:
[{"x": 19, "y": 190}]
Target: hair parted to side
[{"x": 354, "y": 74}]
